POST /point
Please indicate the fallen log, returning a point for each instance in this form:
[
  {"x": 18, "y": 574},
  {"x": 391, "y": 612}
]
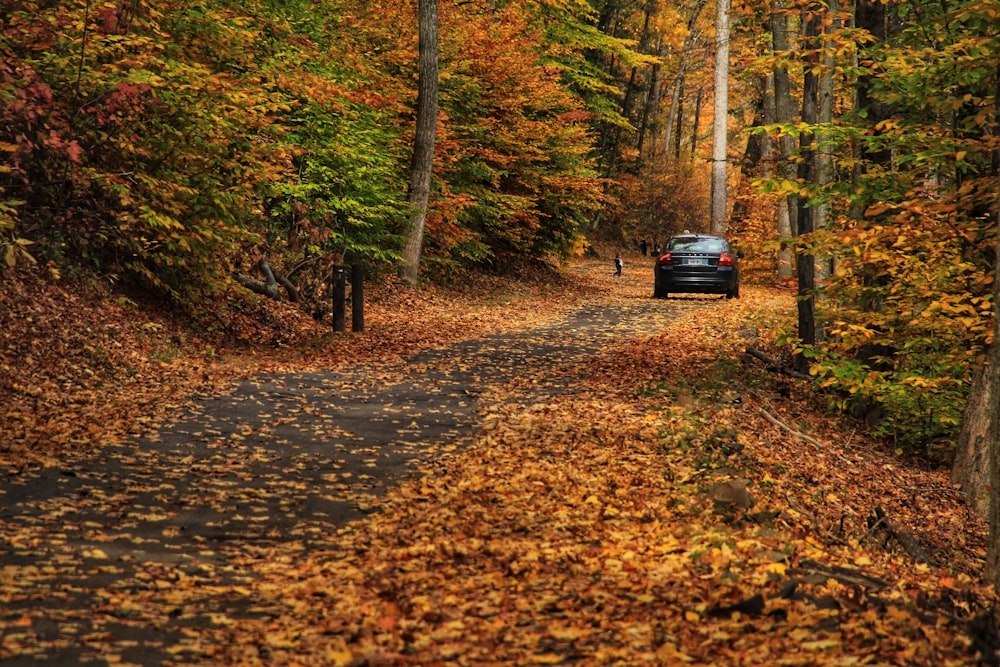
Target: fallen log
[
  {"x": 844, "y": 575},
  {"x": 904, "y": 539},
  {"x": 271, "y": 286},
  {"x": 802, "y": 436},
  {"x": 773, "y": 366}
]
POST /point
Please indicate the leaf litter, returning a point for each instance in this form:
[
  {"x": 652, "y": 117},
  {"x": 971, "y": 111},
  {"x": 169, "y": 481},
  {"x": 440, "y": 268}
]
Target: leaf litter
[{"x": 629, "y": 505}]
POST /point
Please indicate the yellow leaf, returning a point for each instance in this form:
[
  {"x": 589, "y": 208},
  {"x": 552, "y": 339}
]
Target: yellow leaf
[
  {"x": 338, "y": 657},
  {"x": 279, "y": 641}
]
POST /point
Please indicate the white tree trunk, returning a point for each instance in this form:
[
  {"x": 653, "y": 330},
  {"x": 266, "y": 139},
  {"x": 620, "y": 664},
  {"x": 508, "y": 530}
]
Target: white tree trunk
[
  {"x": 720, "y": 131},
  {"x": 823, "y": 161},
  {"x": 783, "y": 109}
]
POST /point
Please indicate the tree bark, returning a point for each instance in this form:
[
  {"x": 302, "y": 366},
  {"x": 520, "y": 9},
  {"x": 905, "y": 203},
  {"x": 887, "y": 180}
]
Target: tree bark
[
  {"x": 783, "y": 113},
  {"x": 269, "y": 287},
  {"x": 422, "y": 165},
  {"x": 823, "y": 159},
  {"x": 971, "y": 467},
  {"x": 695, "y": 122},
  {"x": 652, "y": 104},
  {"x": 804, "y": 262},
  {"x": 990, "y": 396},
  {"x": 720, "y": 124}
]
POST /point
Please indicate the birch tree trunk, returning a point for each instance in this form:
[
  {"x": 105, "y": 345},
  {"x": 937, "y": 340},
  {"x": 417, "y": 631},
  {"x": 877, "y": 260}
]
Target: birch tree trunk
[
  {"x": 823, "y": 160},
  {"x": 783, "y": 113},
  {"x": 720, "y": 125},
  {"x": 422, "y": 165}
]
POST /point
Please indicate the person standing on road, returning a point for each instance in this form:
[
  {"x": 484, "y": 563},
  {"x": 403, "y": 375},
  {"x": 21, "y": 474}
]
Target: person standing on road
[{"x": 618, "y": 265}]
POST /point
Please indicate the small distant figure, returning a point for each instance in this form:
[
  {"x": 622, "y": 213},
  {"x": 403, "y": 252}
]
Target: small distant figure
[
  {"x": 618, "y": 265},
  {"x": 645, "y": 247}
]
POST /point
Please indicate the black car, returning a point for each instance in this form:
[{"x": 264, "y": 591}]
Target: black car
[{"x": 700, "y": 263}]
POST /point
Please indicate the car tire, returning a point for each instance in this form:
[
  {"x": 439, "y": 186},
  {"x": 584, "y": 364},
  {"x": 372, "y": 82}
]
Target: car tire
[{"x": 659, "y": 293}]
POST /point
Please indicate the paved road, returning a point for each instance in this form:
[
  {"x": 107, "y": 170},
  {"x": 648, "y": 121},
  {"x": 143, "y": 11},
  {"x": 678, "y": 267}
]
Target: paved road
[{"x": 283, "y": 462}]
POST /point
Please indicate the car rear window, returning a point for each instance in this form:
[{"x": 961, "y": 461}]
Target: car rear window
[{"x": 695, "y": 244}]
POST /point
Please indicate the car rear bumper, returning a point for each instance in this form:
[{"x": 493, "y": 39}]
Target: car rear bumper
[
  {"x": 716, "y": 283},
  {"x": 696, "y": 285}
]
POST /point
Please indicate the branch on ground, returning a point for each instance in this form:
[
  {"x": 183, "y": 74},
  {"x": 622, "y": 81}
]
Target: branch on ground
[{"x": 270, "y": 287}]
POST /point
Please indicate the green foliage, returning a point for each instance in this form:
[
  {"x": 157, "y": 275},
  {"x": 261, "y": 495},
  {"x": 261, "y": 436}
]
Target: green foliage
[
  {"x": 172, "y": 144},
  {"x": 133, "y": 160},
  {"x": 908, "y": 309}
]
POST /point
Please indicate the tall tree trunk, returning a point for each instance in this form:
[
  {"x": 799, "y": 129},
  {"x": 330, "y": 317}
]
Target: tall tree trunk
[
  {"x": 696, "y": 121},
  {"x": 971, "y": 468},
  {"x": 993, "y": 385},
  {"x": 823, "y": 159},
  {"x": 672, "y": 129},
  {"x": 977, "y": 456},
  {"x": 720, "y": 132},
  {"x": 772, "y": 158},
  {"x": 652, "y": 104},
  {"x": 690, "y": 40},
  {"x": 422, "y": 165},
  {"x": 993, "y": 443},
  {"x": 615, "y": 148},
  {"x": 631, "y": 91},
  {"x": 804, "y": 259},
  {"x": 757, "y": 153},
  {"x": 680, "y": 127},
  {"x": 783, "y": 113}
]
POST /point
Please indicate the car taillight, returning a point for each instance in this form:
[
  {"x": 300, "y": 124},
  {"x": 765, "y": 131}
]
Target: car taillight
[
  {"x": 725, "y": 260},
  {"x": 665, "y": 259}
]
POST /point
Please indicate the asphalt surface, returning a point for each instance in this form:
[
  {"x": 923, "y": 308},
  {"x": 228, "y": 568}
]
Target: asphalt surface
[{"x": 283, "y": 461}]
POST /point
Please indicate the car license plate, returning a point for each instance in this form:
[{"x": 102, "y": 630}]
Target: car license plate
[{"x": 697, "y": 261}]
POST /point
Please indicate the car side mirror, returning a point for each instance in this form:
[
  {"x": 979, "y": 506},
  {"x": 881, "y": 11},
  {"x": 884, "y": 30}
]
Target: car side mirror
[{"x": 739, "y": 254}]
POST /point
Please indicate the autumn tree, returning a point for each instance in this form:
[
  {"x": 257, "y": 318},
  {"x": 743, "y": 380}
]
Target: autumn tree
[
  {"x": 422, "y": 165},
  {"x": 910, "y": 216},
  {"x": 720, "y": 127}
]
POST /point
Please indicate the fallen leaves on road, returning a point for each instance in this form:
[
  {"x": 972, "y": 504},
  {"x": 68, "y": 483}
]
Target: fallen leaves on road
[
  {"x": 650, "y": 513},
  {"x": 582, "y": 531}
]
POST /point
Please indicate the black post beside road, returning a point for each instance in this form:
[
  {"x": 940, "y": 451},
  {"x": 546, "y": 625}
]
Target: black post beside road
[
  {"x": 339, "y": 298},
  {"x": 358, "y": 296}
]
